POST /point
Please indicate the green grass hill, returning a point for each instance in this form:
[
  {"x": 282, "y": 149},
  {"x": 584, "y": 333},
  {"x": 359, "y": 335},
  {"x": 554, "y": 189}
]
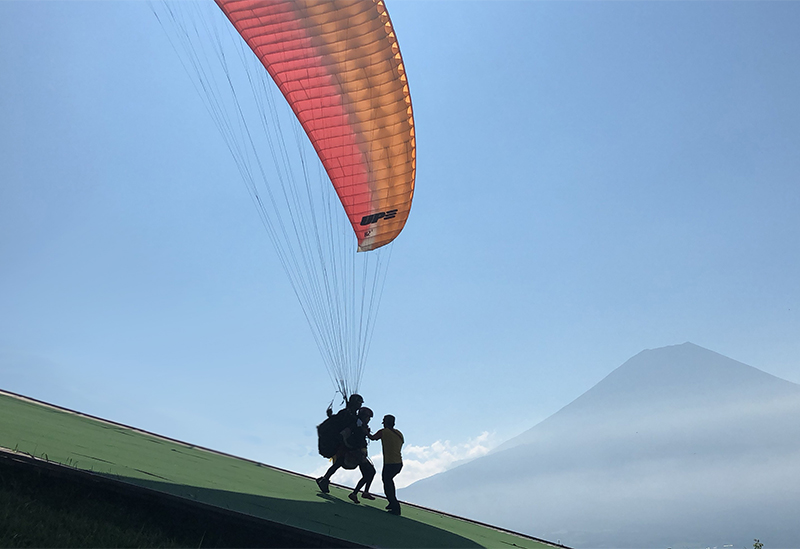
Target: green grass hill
[{"x": 70, "y": 453}]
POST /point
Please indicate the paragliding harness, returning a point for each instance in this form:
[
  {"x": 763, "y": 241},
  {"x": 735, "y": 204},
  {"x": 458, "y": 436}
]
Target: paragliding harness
[
  {"x": 331, "y": 442},
  {"x": 329, "y": 432}
]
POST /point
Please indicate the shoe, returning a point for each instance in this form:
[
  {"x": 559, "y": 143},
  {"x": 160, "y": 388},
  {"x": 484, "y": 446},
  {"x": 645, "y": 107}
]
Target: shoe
[
  {"x": 353, "y": 497},
  {"x": 367, "y": 495},
  {"x": 323, "y": 484},
  {"x": 395, "y": 511}
]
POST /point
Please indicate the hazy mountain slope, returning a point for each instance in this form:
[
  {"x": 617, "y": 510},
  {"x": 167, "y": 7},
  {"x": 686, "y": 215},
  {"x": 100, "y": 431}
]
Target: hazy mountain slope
[{"x": 679, "y": 446}]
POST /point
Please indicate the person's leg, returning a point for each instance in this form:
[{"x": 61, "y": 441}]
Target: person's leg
[
  {"x": 367, "y": 473},
  {"x": 324, "y": 481},
  {"x": 390, "y": 471},
  {"x": 354, "y": 494},
  {"x": 332, "y": 469}
]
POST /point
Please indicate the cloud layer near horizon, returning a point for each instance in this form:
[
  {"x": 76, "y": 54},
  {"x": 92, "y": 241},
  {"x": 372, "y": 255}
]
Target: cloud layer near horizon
[{"x": 419, "y": 461}]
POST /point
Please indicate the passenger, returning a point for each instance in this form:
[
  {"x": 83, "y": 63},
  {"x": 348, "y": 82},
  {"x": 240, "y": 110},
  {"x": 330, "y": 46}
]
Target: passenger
[
  {"x": 357, "y": 454},
  {"x": 391, "y": 441}
]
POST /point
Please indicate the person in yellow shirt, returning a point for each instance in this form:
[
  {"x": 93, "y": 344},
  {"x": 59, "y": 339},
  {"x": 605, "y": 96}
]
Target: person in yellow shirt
[{"x": 392, "y": 441}]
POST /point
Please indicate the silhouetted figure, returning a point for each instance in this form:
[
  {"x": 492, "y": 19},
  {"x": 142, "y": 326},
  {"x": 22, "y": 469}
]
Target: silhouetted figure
[
  {"x": 345, "y": 421},
  {"x": 357, "y": 454},
  {"x": 392, "y": 441}
]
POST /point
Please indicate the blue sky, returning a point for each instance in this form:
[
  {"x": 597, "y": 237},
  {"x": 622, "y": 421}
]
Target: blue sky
[{"x": 593, "y": 179}]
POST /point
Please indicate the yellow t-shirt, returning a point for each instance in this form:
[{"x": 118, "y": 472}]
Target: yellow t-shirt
[{"x": 392, "y": 441}]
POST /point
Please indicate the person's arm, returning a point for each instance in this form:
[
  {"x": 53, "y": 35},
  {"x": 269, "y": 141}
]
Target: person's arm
[{"x": 376, "y": 436}]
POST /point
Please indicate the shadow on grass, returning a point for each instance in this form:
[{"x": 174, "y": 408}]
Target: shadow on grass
[
  {"x": 365, "y": 524},
  {"x": 44, "y": 505}
]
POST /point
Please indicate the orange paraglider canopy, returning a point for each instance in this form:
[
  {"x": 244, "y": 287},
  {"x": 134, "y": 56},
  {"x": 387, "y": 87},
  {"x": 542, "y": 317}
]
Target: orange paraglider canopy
[{"x": 338, "y": 64}]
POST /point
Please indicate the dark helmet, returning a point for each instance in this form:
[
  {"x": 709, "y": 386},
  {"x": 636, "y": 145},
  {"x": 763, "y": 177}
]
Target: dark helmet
[
  {"x": 355, "y": 401},
  {"x": 365, "y": 414}
]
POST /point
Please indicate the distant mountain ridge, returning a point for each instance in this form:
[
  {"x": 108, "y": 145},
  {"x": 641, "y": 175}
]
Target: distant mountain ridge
[
  {"x": 654, "y": 381},
  {"x": 680, "y": 446}
]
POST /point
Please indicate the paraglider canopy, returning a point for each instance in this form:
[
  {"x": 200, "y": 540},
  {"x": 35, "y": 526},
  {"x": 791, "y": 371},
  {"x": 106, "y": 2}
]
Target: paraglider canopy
[{"x": 339, "y": 66}]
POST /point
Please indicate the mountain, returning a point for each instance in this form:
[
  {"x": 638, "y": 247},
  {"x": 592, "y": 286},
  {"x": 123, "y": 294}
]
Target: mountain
[{"x": 678, "y": 447}]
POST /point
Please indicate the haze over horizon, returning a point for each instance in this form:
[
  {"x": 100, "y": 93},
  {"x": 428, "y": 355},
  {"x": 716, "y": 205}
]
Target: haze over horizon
[{"x": 678, "y": 447}]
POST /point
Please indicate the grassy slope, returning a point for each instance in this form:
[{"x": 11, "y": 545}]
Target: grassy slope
[
  {"x": 44, "y": 506},
  {"x": 225, "y": 481}
]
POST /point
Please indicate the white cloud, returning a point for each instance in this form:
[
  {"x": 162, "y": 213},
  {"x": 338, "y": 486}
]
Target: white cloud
[
  {"x": 424, "y": 461},
  {"x": 420, "y": 461}
]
